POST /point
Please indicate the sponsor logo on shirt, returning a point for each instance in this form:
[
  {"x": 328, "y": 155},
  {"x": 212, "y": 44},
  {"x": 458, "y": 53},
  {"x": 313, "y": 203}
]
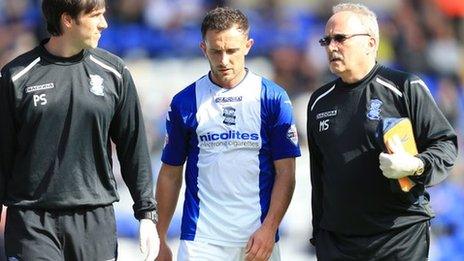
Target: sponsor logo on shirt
[
  {"x": 231, "y": 138},
  {"x": 96, "y": 85},
  {"x": 292, "y": 134},
  {"x": 229, "y": 116},
  {"x": 326, "y": 114},
  {"x": 228, "y": 99},
  {"x": 39, "y": 87},
  {"x": 374, "y": 110}
]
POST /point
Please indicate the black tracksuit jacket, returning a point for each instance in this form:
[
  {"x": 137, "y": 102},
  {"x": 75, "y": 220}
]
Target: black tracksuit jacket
[
  {"x": 57, "y": 118},
  {"x": 350, "y": 195}
]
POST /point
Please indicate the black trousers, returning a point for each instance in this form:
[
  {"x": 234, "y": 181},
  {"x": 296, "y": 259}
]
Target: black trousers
[
  {"x": 83, "y": 234},
  {"x": 409, "y": 243}
]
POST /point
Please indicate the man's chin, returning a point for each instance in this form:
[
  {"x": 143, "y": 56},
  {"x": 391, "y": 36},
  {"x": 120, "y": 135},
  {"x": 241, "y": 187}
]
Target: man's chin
[
  {"x": 225, "y": 79},
  {"x": 336, "y": 69},
  {"x": 224, "y": 76},
  {"x": 92, "y": 45}
]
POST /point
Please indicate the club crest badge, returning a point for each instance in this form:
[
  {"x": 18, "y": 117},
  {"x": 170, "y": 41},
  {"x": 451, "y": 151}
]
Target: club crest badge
[
  {"x": 96, "y": 85},
  {"x": 373, "y": 112},
  {"x": 229, "y": 116},
  {"x": 292, "y": 134}
]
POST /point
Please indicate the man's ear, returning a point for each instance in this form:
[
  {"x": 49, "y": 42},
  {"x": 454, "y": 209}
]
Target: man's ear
[
  {"x": 248, "y": 45},
  {"x": 203, "y": 47},
  {"x": 66, "y": 20},
  {"x": 373, "y": 44}
]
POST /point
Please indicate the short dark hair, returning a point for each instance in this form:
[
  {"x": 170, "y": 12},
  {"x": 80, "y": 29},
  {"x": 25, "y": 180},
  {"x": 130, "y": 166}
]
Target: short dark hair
[
  {"x": 223, "y": 18},
  {"x": 53, "y": 9}
]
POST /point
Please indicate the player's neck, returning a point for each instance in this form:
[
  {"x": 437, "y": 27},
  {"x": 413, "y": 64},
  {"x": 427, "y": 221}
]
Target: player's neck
[{"x": 61, "y": 47}]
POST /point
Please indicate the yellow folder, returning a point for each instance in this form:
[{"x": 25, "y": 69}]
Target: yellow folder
[{"x": 402, "y": 128}]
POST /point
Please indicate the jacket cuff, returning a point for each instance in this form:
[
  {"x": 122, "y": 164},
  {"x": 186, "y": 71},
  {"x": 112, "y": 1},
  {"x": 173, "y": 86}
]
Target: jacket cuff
[{"x": 421, "y": 179}]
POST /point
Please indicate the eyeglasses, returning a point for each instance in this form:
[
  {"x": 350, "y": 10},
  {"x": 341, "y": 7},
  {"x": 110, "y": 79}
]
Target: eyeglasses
[{"x": 339, "y": 38}]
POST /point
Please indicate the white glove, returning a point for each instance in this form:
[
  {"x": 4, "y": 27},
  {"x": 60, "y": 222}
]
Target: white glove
[
  {"x": 399, "y": 164},
  {"x": 149, "y": 240}
]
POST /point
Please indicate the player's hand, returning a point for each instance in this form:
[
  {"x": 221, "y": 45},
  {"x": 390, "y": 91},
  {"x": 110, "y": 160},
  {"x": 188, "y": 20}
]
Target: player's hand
[
  {"x": 165, "y": 253},
  {"x": 149, "y": 240},
  {"x": 260, "y": 245},
  {"x": 399, "y": 163}
]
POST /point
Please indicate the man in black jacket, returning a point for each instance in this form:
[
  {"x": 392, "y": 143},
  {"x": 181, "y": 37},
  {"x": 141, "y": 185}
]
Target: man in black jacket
[
  {"x": 359, "y": 210},
  {"x": 61, "y": 104}
]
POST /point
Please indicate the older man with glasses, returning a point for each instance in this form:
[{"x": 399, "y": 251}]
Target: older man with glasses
[{"x": 368, "y": 190}]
